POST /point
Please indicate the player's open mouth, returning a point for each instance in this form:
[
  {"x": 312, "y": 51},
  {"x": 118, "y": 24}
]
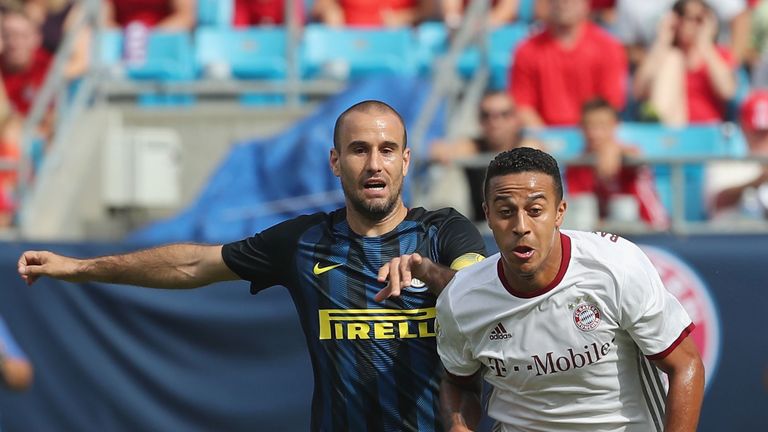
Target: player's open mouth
[
  {"x": 375, "y": 185},
  {"x": 523, "y": 252}
]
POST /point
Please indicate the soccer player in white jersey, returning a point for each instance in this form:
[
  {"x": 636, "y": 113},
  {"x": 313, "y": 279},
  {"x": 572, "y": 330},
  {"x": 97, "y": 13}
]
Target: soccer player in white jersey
[{"x": 571, "y": 329}]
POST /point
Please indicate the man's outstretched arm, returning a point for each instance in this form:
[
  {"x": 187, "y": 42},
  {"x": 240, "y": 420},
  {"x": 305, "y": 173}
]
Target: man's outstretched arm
[
  {"x": 686, "y": 387},
  {"x": 172, "y": 266}
]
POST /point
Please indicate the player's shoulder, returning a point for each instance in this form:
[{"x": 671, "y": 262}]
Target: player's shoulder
[
  {"x": 470, "y": 278},
  {"x": 300, "y": 224},
  {"x": 603, "y": 247},
  {"x": 434, "y": 217}
]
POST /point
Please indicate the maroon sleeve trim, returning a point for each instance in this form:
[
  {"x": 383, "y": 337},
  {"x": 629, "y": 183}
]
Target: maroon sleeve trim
[{"x": 686, "y": 331}]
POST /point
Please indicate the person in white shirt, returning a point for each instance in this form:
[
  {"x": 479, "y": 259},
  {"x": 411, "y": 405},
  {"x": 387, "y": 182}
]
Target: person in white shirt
[{"x": 569, "y": 328}]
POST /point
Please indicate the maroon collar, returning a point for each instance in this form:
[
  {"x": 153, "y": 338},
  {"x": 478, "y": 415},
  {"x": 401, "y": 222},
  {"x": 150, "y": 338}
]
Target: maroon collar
[{"x": 565, "y": 244}]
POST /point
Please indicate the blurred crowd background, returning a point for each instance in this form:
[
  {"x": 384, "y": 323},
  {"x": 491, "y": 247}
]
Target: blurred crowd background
[{"x": 657, "y": 110}]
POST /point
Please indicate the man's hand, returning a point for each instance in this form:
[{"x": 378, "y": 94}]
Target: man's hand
[
  {"x": 399, "y": 272},
  {"x": 33, "y": 264}
]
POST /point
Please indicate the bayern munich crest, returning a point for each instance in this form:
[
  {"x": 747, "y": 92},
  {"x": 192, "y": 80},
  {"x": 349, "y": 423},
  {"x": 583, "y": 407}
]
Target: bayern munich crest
[
  {"x": 683, "y": 282},
  {"x": 586, "y": 316}
]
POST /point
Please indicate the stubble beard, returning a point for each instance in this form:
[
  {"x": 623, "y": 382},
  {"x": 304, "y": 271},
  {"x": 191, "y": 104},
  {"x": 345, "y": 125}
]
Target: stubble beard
[{"x": 374, "y": 210}]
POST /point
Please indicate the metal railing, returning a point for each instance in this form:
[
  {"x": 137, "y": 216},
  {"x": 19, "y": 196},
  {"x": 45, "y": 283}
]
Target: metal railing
[{"x": 679, "y": 224}]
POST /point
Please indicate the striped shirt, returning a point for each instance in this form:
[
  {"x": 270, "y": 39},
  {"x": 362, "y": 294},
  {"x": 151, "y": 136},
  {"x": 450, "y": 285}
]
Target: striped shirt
[{"x": 375, "y": 364}]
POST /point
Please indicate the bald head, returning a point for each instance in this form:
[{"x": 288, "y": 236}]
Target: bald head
[{"x": 367, "y": 107}]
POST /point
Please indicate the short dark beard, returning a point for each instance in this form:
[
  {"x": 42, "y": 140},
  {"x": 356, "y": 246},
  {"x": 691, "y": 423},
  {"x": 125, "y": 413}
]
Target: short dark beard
[{"x": 373, "y": 213}]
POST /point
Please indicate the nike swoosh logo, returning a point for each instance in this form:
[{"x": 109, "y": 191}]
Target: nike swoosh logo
[{"x": 320, "y": 270}]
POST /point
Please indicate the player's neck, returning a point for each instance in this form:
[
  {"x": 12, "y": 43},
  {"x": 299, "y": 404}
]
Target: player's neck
[
  {"x": 543, "y": 277},
  {"x": 373, "y": 228}
]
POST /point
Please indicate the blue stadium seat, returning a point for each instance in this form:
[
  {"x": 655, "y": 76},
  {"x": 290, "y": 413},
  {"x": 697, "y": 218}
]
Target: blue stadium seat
[
  {"x": 253, "y": 53},
  {"x": 432, "y": 42},
  {"x": 502, "y": 43},
  {"x": 657, "y": 140},
  {"x": 110, "y": 47},
  {"x": 215, "y": 13},
  {"x": 169, "y": 57},
  {"x": 525, "y": 11},
  {"x": 562, "y": 143},
  {"x": 701, "y": 140},
  {"x": 358, "y": 52}
]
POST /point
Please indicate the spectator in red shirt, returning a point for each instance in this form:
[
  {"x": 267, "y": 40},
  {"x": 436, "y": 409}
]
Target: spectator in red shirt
[
  {"x": 609, "y": 180},
  {"x": 685, "y": 78},
  {"x": 264, "y": 12},
  {"x": 368, "y": 13},
  {"x": 570, "y": 62},
  {"x": 174, "y": 15},
  {"x": 23, "y": 62}
]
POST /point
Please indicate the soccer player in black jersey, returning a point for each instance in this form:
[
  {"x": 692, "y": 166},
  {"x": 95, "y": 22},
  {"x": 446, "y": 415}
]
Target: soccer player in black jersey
[{"x": 364, "y": 279}]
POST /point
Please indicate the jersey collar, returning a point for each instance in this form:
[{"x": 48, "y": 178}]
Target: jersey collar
[{"x": 565, "y": 244}]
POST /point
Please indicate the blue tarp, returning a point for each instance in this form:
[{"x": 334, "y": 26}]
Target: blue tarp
[{"x": 281, "y": 168}]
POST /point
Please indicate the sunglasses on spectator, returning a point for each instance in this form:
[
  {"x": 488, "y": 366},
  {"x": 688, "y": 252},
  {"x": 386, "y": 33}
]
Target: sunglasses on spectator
[
  {"x": 698, "y": 18},
  {"x": 485, "y": 115}
]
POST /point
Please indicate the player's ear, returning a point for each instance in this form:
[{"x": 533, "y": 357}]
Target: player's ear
[
  {"x": 485, "y": 212},
  {"x": 406, "y": 160},
  {"x": 334, "y": 161},
  {"x": 561, "y": 207}
]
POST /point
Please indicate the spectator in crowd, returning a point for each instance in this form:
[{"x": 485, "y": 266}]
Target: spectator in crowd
[
  {"x": 9, "y": 155},
  {"x": 758, "y": 53},
  {"x": 570, "y": 62},
  {"x": 603, "y": 12},
  {"x": 500, "y": 130},
  {"x": 23, "y": 61},
  {"x": 637, "y": 23},
  {"x": 174, "y": 15},
  {"x": 55, "y": 18},
  {"x": 622, "y": 192},
  {"x": 739, "y": 190},
  {"x": 368, "y": 13},
  {"x": 264, "y": 12},
  {"x": 686, "y": 78},
  {"x": 501, "y": 12},
  {"x": 15, "y": 370}
]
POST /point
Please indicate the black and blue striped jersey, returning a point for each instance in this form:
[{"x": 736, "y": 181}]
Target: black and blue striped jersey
[{"x": 375, "y": 364}]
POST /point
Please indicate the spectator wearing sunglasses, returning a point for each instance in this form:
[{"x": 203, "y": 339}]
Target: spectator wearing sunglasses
[{"x": 500, "y": 129}]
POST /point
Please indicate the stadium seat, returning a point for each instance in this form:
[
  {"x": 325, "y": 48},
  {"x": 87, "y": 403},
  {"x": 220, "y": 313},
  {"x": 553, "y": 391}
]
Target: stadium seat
[
  {"x": 253, "y": 53},
  {"x": 700, "y": 140},
  {"x": 168, "y": 57},
  {"x": 657, "y": 140},
  {"x": 502, "y": 43},
  {"x": 525, "y": 11},
  {"x": 110, "y": 48},
  {"x": 215, "y": 13},
  {"x": 561, "y": 142},
  {"x": 432, "y": 42},
  {"x": 351, "y": 53}
]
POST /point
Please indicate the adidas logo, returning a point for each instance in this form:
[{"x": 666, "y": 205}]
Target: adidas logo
[{"x": 499, "y": 333}]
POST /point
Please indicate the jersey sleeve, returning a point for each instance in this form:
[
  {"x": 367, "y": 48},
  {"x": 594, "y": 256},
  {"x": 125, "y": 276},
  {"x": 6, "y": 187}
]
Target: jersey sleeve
[
  {"x": 264, "y": 258},
  {"x": 8, "y": 344},
  {"x": 452, "y": 345},
  {"x": 654, "y": 318},
  {"x": 460, "y": 243}
]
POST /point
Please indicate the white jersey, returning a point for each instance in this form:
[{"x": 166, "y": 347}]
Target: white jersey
[{"x": 573, "y": 356}]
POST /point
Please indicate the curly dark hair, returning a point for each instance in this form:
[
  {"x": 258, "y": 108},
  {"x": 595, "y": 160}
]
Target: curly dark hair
[{"x": 524, "y": 159}]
